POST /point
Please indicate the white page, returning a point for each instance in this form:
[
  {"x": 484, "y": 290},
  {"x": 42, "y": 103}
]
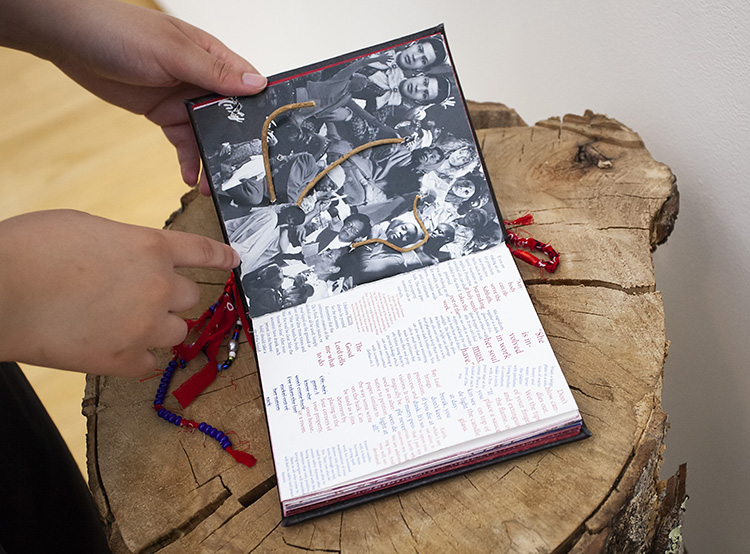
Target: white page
[{"x": 393, "y": 370}]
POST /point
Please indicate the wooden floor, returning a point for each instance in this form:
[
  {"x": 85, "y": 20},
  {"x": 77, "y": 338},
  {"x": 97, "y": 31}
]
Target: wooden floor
[{"x": 61, "y": 147}]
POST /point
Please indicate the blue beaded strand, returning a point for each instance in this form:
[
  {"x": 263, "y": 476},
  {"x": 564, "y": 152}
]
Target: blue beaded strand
[{"x": 166, "y": 379}]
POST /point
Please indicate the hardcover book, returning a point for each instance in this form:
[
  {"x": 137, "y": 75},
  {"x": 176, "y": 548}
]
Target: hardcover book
[{"x": 396, "y": 342}]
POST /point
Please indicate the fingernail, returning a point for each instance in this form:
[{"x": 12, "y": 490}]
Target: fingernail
[
  {"x": 235, "y": 258},
  {"x": 254, "y": 80}
]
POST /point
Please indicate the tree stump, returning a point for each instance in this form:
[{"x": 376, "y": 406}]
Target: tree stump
[{"x": 600, "y": 199}]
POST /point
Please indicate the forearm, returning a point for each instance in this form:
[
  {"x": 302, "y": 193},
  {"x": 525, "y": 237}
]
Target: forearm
[
  {"x": 44, "y": 27},
  {"x": 284, "y": 242},
  {"x": 10, "y": 294},
  {"x": 351, "y": 69}
]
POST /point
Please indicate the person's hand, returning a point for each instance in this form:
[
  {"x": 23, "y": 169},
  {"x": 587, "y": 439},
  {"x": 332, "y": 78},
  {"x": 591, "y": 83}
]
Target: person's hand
[
  {"x": 386, "y": 58},
  {"x": 83, "y": 293},
  {"x": 322, "y": 204},
  {"x": 416, "y": 114},
  {"x": 136, "y": 58},
  {"x": 296, "y": 235}
]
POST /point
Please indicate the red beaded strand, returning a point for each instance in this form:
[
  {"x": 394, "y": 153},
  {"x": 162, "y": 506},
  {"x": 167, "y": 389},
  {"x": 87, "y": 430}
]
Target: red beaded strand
[{"x": 532, "y": 244}]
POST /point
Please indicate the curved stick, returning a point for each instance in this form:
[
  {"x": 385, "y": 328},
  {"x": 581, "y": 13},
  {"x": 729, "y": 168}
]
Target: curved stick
[
  {"x": 342, "y": 159},
  {"x": 401, "y": 248},
  {"x": 264, "y": 141}
]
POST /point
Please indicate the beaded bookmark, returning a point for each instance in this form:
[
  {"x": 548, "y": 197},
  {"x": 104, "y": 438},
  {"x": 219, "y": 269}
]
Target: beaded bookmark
[{"x": 214, "y": 325}]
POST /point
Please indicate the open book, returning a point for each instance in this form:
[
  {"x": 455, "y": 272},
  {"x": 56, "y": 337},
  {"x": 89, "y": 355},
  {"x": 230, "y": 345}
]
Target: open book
[{"x": 396, "y": 342}]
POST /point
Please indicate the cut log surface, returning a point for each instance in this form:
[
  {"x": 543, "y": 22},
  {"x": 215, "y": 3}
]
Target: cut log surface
[{"x": 604, "y": 204}]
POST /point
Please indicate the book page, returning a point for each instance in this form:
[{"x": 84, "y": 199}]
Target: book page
[
  {"x": 383, "y": 136},
  {"x": 403, "y": 367}
]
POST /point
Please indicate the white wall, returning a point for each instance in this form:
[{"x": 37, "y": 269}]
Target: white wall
[{"x": 678, "y": 73}]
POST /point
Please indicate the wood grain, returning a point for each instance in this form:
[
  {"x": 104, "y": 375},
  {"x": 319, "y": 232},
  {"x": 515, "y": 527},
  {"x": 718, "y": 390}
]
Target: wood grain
[{"x": 597, "y": 196}]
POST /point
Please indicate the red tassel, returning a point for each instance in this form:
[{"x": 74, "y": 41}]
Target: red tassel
[
  {"x": 242, "y": 457},
  {"x": 527, "y": 257},
  {"x": 527, "y": 219},
  {"x": 190, "y": 389},
  {"x": 216, "y": 328},
  {"x": 193, "y": 323}
]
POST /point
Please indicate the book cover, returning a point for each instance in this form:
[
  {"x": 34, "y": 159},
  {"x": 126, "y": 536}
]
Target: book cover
[{"x": 396, "y": 342}]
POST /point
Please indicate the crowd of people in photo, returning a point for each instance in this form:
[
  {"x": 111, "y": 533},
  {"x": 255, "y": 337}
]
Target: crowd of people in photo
[{"x": 301, "y": 247}]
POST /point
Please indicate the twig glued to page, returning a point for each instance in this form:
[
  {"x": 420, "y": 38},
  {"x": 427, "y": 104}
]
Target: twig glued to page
[
  {"x": 264, "y": 140},
  {"x": 401, "y": 248},
  {"x": 342, "y": 159}
]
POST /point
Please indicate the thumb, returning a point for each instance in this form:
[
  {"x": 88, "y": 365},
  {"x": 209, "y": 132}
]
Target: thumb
[
  {"x": 190, "y": 250},
  {"x": 209, "y": 64}
]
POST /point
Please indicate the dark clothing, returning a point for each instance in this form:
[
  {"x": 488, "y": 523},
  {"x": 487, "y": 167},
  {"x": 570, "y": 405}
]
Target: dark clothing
[
  {"x": 325, "y": 237},
  {"x": 45, "y": 504}
]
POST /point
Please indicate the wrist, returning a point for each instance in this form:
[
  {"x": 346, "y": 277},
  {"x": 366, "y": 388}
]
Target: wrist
[
  {"x": 49, "y": 29},
  {"x": 33, "y": 25}
]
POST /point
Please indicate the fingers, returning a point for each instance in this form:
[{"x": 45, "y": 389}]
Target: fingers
[
  {"x": 184, "y": 295},
  {"x": 214, "y": 67},
  {"x": 138, "y": 365},
  {"x": 203, "y": 185},
  {"x": 190, "y": 250},
  {"x": 172, "y": 331},
  {"x": 181, "y": 136},
  {"x": 168, "y": 109},
  {"x": 140, "y": 362},
  {"x": 137, "y": 98}
]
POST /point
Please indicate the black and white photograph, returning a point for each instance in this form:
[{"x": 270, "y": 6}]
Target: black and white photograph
[{"x": 414, "y": 193}]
